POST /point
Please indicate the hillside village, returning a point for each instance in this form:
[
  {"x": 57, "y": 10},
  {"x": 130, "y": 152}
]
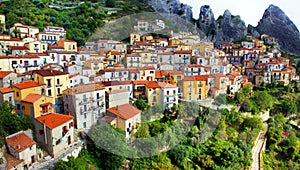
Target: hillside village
[{"x": 66, "y": 89}]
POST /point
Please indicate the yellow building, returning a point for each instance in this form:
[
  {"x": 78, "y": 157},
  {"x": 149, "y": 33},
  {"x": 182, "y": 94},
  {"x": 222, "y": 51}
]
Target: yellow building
[
  {"x": 34, "y": 105},
  {"x": 173, "y": 77},
  {"x": 134, "y": 37},
  {"x": 147, "y": 73},
  {"x": 153, "y": 93},
  {"x": 116, "y": 56},
  {"x": 139, "y": 88},
  {"x": 147, "y": 38},
  {"x": 37, "y": 46},
  {"x": 56, "y": 82},
  {"x": 174, "y": 42},
  {"x": 68, "y": 45},
  {"x": 195, "y": 88},
  {"x": 25, "y": 88}
]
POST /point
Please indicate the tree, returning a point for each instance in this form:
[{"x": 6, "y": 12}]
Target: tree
[
  {"x": 11, "y": 123},
  {"x": 263, "y": 100},
  {"x": 110, "y": 3},
  {"x": 140, "y": 104},
  {"x": 142, "y": 131}
]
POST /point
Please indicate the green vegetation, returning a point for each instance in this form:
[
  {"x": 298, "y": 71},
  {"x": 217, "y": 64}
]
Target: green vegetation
[
  {"x": 11, "y": 123},
  {"x": 81, "y": 22},
  {"x": 283, "y": 145}
]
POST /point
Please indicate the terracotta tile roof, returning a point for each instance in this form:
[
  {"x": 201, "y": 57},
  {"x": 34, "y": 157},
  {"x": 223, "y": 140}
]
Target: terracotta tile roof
[
  {"x": 158, "y": 75},
  {"x": 202, "y": 77},
  {"x": 28, "y": 84},
  {"x": 189, "y": 78},
  {"x": 108, "y": 118},
  {"x": 20, "y": 141},
  {"x": 73, "y": 75},
  {"x": 140, "y": 82},
  {"x": 125, "y": 111},
  {"x": 218, "y": 75},
  {"x": 195, "y": 65},
  {"x": 49, "y": 72},
  {"x": 83, "y": 88},
  {"x": 4, "y": 74},
  {"x": 166, "y": 85},
  {"x": 11, "y": 162},
  {"x": 18, "y": 48},
  {"x": 133, "y": 70},
  {"x": 31, "y": 98},
  {"x": 52, "y": 120},
  {"x": 6, "y": 90},
  {"x": 152, "y": 84}
]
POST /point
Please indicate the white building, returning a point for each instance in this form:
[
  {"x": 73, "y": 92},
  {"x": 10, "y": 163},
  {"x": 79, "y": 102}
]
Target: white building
[
  {"x": 86, "y": 103},
  {"x": 76, "y": 79},
  {"x": 22, "y": 147},
  {"x": 169, "y": 95}
]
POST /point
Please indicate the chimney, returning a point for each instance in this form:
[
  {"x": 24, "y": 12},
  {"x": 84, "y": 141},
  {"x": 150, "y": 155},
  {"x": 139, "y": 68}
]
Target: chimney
[
  {"x": 18, "y": 147},
  {"x": 69, "y": 113}
]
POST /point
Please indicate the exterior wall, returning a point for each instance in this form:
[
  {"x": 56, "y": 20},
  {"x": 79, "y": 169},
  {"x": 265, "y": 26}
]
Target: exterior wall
[
  {"x": 79, "y": 79},
  {"x": 153, "y": 96},
  {"x": 86, "y": 112},
  {"x": 169, "y": 99},
  {"x": 20, "y": 94},
  {"x": 133, "y": 62},
  {"x": 35, "y": 109},
  {"x": 9, "y": 80},
  {"x": 193, "y": 90},
  {"x": 37, "y": 47},
  {"x": 50, "y": 137},
  {"x": 68, "y": 45},
  {"x": 74, "y": 69},
  {"x": 115, "y": 99},
  {"x": 8, "y": 97}
]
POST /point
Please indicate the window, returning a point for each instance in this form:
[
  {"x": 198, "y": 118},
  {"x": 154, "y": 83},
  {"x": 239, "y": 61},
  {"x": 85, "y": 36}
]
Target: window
[
  {"x": 151, "y": 72},
  {"x": 10, "y": 99},
  {"x": 49, "y": 82},
  {"x": 58, "y": 142},
  {"x": 58, "y": 82},
  {"x": 85, "y": 115},
  {"x": 178, "y": 77},
  {"x": 58, "y": 90},
  {"x": 23, "y": 107},
  {"x": 41, "y": 132},
  {"x": 174, "y": 91},
  {"x": 84, "y": 98},
  {"x": 84, "y": 124},
  {"x": 49, "y": 93},
  {"x": 17, "y": 94}
]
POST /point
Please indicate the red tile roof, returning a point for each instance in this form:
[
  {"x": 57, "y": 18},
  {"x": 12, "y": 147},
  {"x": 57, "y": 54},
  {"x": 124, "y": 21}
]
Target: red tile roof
[
  {"x": 152, "y": 84},
  {"x": 56, "y": 47},
  {"x": 4, "y": 74},
  {"x": 18, "y": 48},
  {"x": 49, "y": 72},
  {"x": 6, "y": 90},
  {"x": 158, "y": 75},
  {"x": 125, "y": 111},
  {"x": 12, "y": 161},
  {"x": 166, "y": 85},
  {"x": 28, "y": 84},
  {"x": 73, "y": 75},
  {"x": 140, "y": 82},
  {"x": 31, "y": 98},
  {"x": 20, "y": 141},
  {"x": 53, "y": 120}
]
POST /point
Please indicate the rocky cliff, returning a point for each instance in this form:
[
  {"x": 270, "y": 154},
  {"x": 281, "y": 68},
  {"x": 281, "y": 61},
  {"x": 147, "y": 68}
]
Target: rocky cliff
[
  {"x": 226, "y": 28},
  {"x": 275, "y": 23},
  {"x": 173, "y": 7}
]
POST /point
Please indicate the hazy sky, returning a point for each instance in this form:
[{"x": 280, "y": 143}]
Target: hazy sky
[{"x": 251, "y": 11}]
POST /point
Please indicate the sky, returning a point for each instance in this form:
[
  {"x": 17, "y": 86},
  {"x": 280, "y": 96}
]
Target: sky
[{"x": 251, "y": 11}]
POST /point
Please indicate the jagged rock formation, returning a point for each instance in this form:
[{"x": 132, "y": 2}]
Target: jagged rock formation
[
  {"x": 252, "y": 30},
  {"x": 173, "y": 7},
  {"x": 225, "y": 28},
  {"x": 275, "y": 23},
  {"x": 230, "y": 27},
  {"x": 207, "y": 23}
]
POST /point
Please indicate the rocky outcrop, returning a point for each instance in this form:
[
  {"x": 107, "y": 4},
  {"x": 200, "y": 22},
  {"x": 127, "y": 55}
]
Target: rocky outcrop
[
  {"x": 173, "y": 7},
  {"x": 207, "y": 23},
  {"x": 275, "y": 23},
  {"x": 226, "y": 28},
  {"x": 230, "y": 27}
]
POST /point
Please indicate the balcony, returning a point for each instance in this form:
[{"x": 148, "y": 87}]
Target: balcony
[{"x": 58, "y": 85}]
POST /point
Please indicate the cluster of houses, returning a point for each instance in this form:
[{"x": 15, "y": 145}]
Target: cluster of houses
[{"x": 66, "y": 89}]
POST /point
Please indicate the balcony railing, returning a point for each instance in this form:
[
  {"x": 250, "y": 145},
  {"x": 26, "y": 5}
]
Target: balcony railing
[{"x": 58, "y": 85}]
